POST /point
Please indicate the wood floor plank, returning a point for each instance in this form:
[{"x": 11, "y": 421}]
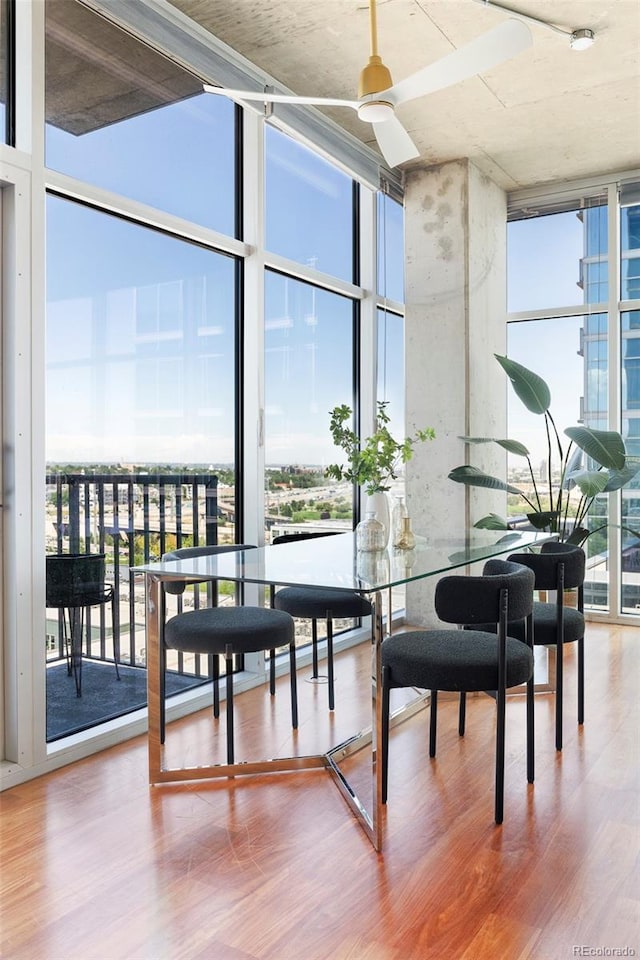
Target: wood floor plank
[{"x": 97, "y": 865}]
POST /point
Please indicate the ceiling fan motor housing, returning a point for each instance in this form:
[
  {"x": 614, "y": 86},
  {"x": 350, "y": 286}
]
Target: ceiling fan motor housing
[{"x": 374, "y": 78}]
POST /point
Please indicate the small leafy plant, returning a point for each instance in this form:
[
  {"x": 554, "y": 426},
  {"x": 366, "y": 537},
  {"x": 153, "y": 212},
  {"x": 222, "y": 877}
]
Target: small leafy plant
[
  {"x": 372, "y": 462},
  {"x": 614, "y": 468}
]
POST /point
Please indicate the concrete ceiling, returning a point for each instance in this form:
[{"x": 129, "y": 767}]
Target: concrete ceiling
[{"x": 549, "y": 114}]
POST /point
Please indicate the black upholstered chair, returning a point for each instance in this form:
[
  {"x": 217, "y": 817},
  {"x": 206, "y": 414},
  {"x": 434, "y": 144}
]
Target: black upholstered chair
[
  {"x": 559, "y": 567},
  {"x": 222, "y": 632},
  {"x": 75, "y": 581},
  {"x": 467, "y": 660},
  {"x": 312, "y": 603}
]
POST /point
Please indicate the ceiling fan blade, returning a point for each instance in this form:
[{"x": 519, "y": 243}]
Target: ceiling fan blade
[
  {"x": 395, "y": 143},
  {"x": 264, "y": 97},
  {"x": 478, "y": 56}
]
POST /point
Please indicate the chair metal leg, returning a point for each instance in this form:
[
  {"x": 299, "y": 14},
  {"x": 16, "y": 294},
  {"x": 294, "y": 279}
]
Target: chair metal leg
[
  {"x": 581, "y": 680},
  {"x": 462, "y": 713},
  {"x": 433, "y": 723},
  {"x": 384, "y": 746},
  {"x": 332, "y": 699},
  {"x": 293, "y": 676},
  {"x": 531, "y": 689},
  {"x": 500, "y": 746},
  {"x": 229, "y": 667},
  {"x": 76, "y": 621},
  {"x": 162, "y": 659},
  {"x": 530, "y": 730},
  {"x": 65, "y": 637},
  {"x": 272, "y": 672},
  {"x": 314, "y": 649},
  {"x": 162, "y": 689},
  {"x": 272, "y": 652},
  {"x": 215, "y": 671},
  {"x": 559, "y": 689},
  {"x": 115, "y": 628}
]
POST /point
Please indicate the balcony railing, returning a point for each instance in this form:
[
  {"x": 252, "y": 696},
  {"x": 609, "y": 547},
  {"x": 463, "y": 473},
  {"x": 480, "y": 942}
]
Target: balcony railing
[{"x": 133, "y": 519}]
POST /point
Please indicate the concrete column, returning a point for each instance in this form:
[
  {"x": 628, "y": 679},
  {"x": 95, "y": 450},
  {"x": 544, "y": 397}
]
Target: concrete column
[{"x": 455, "y": 293}]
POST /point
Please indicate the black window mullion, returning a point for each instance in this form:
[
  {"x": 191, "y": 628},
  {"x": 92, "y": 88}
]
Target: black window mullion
[{"x": 9, "y": 8}]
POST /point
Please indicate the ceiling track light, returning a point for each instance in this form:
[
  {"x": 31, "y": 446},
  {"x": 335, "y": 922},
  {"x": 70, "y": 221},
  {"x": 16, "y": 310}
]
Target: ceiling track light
[{"x": 579, "y": 39}]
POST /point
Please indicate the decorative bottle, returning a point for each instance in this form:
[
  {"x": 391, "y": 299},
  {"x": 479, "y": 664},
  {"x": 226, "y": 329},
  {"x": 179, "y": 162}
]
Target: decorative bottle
[
  {"x": 398, "y": 514},
  {"x": 370, "y": 534},
  {"x": 407, "y": 540}
]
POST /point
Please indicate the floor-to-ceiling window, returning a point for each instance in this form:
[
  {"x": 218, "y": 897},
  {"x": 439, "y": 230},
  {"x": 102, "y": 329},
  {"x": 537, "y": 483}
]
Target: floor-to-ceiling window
[
  {"x": 7, "y": 50},
  {"x": 630, "y": 390},
  {"x": 141, "y": 340},
  {"x": 310, "y": 332},
  {"x": 144, "y": 348},
  {"x": 390, "y": 344},
  {"x": 7, "y": 71},
  {"x": 571, "y": 324}
]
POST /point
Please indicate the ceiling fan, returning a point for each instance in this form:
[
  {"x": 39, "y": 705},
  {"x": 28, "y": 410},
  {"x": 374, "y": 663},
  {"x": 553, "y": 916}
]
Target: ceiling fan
[{"x": 378, "y": 96}]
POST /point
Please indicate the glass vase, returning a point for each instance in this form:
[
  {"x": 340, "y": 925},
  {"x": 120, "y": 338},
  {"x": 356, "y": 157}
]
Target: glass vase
[
  {"x": 370, "y": 534},
  {"x": 398, "y": 514},
  {"x": 406, "y": 540},
  {"x": 378, "y": 503}
]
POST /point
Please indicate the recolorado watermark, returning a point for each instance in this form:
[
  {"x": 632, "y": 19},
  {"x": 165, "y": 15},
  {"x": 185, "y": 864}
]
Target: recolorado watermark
[{"x": 583, "y": 950}]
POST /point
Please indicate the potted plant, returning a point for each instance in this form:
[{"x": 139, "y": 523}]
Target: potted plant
[
  {"x": 372, "y": 462},
  {"x": 563, "y": 504}
]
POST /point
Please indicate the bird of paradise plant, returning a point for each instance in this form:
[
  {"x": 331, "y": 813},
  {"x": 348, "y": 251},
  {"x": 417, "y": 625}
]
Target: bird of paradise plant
[{"x": 614, "y": 468}]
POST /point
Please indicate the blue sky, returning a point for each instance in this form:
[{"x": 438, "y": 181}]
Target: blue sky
[{"x": 140, "y": 325}]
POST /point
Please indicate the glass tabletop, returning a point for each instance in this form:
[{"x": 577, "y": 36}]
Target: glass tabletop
[{"x": 334, "y": 562}]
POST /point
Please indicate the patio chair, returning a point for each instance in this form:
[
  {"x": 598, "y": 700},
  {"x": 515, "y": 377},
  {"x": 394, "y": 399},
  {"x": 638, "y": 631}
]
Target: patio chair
[{"x": 75, "y": 581}]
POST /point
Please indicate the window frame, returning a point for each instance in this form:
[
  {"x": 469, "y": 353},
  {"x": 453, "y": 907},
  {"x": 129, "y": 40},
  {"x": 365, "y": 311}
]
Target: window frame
[
  {"x": 26, "y": 752},
  {"x": 565, "y": 197}
]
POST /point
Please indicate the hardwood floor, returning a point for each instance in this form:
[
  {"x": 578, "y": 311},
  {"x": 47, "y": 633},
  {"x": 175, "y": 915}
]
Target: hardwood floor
[{"x": 97, "y": 865}]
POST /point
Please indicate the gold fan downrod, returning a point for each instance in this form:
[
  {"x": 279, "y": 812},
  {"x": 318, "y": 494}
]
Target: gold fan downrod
[{"x": 375, "y": 76}]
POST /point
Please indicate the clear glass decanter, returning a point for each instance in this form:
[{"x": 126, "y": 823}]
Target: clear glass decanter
[{"x": 370, "y": 534}]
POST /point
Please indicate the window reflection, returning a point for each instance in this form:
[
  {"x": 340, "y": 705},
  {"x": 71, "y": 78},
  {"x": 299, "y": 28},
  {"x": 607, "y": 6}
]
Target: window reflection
[
  {"x": 391, "y": 389},
  {"x": 559, "y": 259},
  {"x": 630, "y": 252},
  {"x": 630, "y": 539},
  {"x": 4, "y": 68},
  {"x": 308, "y": 207},
  {"x": 140, "y": 344},
  {"x": 308, "y": 371},
  {"x": 391, "y": 367},
  {"x": 596, "y": 390},
  {"x": 390, "y": 249},
  {"x": 146, "y": 132}
]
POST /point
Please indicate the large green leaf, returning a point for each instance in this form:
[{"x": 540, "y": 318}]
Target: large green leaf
[
  {"x": 511, "y": 446},
  {"x": 606, "y": 447},
  {"x": 577, "y": 536},
  {"x": 492, "y": 522},
  {"x": 591, "y": 482},
  {"x": 541, "y": 520},
  {"x": 531, "y": 388},
  {"x": 472, "y": 477}
]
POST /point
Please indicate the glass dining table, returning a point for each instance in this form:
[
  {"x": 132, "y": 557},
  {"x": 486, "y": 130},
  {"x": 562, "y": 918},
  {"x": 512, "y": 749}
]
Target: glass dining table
[{"x": 329, "y": 562}]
